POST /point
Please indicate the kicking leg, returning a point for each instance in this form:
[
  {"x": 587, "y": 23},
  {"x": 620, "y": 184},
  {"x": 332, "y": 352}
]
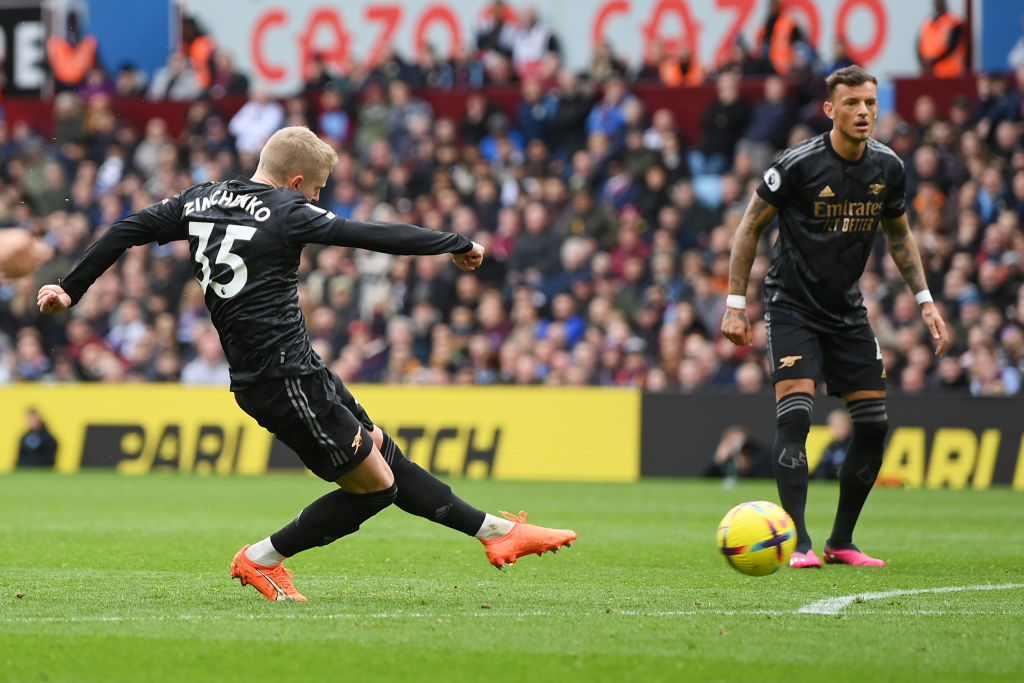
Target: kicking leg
[{"x": 421, "y": 493}]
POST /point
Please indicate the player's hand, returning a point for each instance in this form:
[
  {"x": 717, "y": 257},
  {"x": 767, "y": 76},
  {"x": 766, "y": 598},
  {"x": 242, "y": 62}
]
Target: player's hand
[
  {"x": 470, "y": 260},
  {"x": 735, "y": 327},
  {"x": 53, "y": 298},
  {"x": 21, "y": 253},
  {"x": 936, "y": 326}
]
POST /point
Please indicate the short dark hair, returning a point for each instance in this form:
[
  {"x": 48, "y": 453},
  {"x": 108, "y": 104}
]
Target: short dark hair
[{"x": 852, "y": 75}]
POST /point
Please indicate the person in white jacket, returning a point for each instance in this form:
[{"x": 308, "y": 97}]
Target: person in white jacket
[{"x": 255, "y": 122}]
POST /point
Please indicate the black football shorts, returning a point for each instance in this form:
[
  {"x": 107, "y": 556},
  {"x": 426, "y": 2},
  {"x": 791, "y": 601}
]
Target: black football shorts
[
  {"x": 316, "y": 416},
  {"x": 847, "y": 360}
]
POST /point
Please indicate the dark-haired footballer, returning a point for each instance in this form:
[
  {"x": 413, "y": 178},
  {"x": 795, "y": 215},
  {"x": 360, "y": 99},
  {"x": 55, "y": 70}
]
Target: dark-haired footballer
[{"x": 830, "y": 193}]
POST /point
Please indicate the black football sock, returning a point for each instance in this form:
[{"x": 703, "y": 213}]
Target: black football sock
[
  {"x": 789, "y": 459},
  {"x": 330, "y": 517},
  {"x": 421, "y": 493},
  {"x": 860, "y": 467}
]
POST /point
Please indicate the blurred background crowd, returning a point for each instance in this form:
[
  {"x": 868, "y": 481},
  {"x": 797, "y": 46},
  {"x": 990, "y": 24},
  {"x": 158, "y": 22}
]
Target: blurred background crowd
[{"x": 607, "y": 228}]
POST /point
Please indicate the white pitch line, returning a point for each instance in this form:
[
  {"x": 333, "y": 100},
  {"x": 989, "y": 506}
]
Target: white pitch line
[{"x": 832, "y": 606}]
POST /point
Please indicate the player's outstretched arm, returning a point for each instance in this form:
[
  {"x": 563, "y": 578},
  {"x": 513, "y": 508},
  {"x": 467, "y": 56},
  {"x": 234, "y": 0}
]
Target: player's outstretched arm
[
  {"x": 756, "y": 218},
  {"x": 383, "y": 236},
  {"x": 905, "y": 253},
  {"x": 139, "y": 228}
]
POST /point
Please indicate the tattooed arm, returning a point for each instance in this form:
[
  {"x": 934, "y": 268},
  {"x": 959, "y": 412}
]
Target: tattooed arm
[
  {"x": 904, "y": 251},
  {"x": 903, "y": 248},
  {"x": 756, "y": 218}
]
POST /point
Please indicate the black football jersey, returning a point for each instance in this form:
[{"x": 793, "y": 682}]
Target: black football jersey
[
  {"x": 246, "y": 239},
  {"x": 828, "y": 211}
]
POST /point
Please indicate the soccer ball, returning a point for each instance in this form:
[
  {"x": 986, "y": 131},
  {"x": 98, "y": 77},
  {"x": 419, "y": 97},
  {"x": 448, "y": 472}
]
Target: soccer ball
[{"x": 756, "y": 538}]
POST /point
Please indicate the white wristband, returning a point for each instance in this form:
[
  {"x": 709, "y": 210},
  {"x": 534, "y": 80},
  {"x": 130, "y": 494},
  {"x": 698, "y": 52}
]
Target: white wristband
[
  {"x": 736, "y": 301},
  {"x": 923, "y": 297}
]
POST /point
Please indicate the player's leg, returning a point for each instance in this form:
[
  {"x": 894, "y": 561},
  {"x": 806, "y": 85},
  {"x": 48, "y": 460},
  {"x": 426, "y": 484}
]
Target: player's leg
[
  {"x": 304, "y": 413},
  {"x": 793, "y": 350},
  {"x": 421, "y": 493},
  {"x": 857, "y": 475},
  {"x": 794, "y": 402},
  {"x": 854, "y": 369}
]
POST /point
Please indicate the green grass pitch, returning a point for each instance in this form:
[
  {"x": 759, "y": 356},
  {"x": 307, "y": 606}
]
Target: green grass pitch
[{"x": 118, "y": 578}]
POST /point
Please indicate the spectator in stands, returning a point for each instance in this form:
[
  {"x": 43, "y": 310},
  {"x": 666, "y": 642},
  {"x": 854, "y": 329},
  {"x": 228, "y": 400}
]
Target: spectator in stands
[
  {"x": 258, "y": 119},
  {"x": 840, "y": 56},
  {"x": 608, "y": 116},
  {"x": 495, "y": 36},
  {"x": 635, "y": 155},
  {"x": 503, "y": 147},
  {"x": 319, "y": 74},
  {"x": 776, "y": 38},
  {"x": 606, "y": 64},
  {"x": 31, "y": 361},
  {"x": 535, "y": 111},
  {"x": 405, "y": 111},
  {"x": 333, "y": 121},
  {"x": 841, "y": 430},
  {"x": 532, "y": 42},
  {"x": 650, "y": 68},
  {"x": 722, "y": 124},
  {"x": 739, "y": 59},
  {"x": 72, "y": 53},
  {"x": 739, "y": 455},
  {"x": 941, "y": 44},
  {"x": 176, "y": 80},
  {"x": 534, "y": 255},
  {"x": 475, "y": 123},
  {"x": 225, "y": 79},
  {"x": 37, "y": 446},
  {"x": 199, "y": 48},
  {"x": 573, "y": 104},
  {"x": 464, "y": 70},
  {"x": 96, "y": 84},
  {"x": 750, "y": 378},
  {"x": 209, "y": 367},
  {"x": 371, "y": 118},
  {"x": 673, "y": 67},
  {"x": 156, "y": 142},
  {"x": 390, "y": 66},
  {"x": 130, "y": 81},
  {"x": 769, "y": 124}
]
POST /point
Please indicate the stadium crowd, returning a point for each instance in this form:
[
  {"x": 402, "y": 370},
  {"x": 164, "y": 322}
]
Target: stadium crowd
[{"x": 607, "y": 232}]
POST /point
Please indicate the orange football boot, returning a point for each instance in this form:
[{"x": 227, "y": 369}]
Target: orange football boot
[
  {"x": 525, "y": 539},
  {"x": 274, "y": 582}
]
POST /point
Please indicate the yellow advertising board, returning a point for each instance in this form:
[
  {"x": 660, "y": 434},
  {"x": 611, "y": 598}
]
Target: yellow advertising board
[{"x": 505, "y": 433}]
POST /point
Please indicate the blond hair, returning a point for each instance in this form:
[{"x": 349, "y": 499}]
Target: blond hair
[{"x": 295, "y": 150}]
